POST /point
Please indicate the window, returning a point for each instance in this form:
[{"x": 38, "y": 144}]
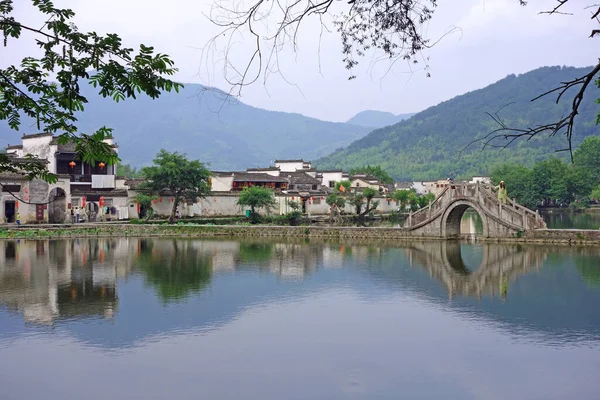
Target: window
[
  {"x": 108, "y": 202},
  {"x": 291, "y": 187},
  {"x": 332, "y": 184},
  {"x": 314, "y": 187},
  {"x": 317, "y": 200},
  {"x": 11, "y": 188}
]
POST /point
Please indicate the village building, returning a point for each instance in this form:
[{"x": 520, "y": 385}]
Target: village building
[{"x": 94, "y": 189}]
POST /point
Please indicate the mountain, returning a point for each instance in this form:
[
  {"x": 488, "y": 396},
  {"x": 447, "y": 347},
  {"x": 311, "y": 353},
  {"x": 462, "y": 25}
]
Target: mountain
[
  {"x": 377, "y": 119},
  {"x": 208, "y": 125},
  {"x": 433, "y": 143}
]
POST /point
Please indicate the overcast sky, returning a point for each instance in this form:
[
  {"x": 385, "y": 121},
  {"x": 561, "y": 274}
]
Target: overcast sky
[{"x": 496, "y": 38}]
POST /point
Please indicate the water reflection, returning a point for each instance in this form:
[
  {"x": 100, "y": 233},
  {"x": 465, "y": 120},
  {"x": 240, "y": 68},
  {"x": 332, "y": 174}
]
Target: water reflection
[{"x": 60, "y": 280}]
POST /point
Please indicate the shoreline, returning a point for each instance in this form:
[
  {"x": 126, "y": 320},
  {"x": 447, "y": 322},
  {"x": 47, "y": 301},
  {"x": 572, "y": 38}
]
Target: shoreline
[{"x": 543, "y": 236}]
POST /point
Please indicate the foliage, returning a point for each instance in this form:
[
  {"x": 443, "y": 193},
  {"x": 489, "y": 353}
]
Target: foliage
[
  {"x": 127, "y": 171},
  {"x": 337, "y": 199},
  {"x": 358, "y": 199},
  {"x": 175, "y": 175},
  {"x": 376, "y": 171},
  {"x": 595, "y": 194},
  {"x": 346, "y": 184},
  {"x": 550, "y": 182},
  {"x": 145, "y": 200},
  {"x": 294, "y": 216},
  {"x": 67, "y": 57},
  {"x": 256, "y": 198},
  {"x": 437, "y": 142},
  {"x": 587, "y": 156}
]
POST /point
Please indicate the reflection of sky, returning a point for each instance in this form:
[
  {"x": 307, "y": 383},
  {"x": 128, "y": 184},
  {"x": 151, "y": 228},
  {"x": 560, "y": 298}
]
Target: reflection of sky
[{"x": 329, "y": 345}]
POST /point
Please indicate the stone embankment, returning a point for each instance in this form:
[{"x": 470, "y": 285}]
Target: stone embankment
[{"x": 562, "y": 236}]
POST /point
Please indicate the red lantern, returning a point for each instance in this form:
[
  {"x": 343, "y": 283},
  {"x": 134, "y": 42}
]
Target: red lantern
[
  {"x": 312, "y": 198},
  {"x": 160, "y": 199},
  {"x": 101, "y": 165},
  {"x": 322, "y": 197},
  {"x": 101, "y": 201},
  {"x": 72, "y": 164},
  {"x": 154, "y": 201},
  {"x": 293, "y": 197},
  {"x": 83, "y": 201}
]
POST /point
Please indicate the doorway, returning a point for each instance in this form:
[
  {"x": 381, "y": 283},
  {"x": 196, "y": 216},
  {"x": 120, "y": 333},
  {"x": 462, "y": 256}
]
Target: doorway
[{"x": 10, "y": 208}]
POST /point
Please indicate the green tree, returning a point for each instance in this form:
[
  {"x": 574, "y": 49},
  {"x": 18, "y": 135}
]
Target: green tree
[
  {"x": 346, "y": 184},
  {"x": 145, "y": 200},
  {"x": 587, "y": 155},
  {"x": 595, "y": 194},
  {"x": 47, "y": 88},
  {"x": 175, "y": 175},
  {"x": 295, "y": 215},
  {"x": 377, "y": 171},
  {"x": 256, "y": 198},
  {"x": 519, "y": 183},
  {"x": 337, "y": 199},
  {"x": 401, "y": 197},
  {"x": 364, "y": 198},
  {"x": 127, "y": 171}
]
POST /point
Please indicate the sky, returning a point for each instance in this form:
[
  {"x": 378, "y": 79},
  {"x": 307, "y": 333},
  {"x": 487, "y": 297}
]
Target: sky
[{"x": 488, "y": 40}]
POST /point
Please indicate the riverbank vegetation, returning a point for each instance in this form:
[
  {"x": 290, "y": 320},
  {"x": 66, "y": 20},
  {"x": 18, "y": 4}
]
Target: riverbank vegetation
[{"x": 554, "y": 182}]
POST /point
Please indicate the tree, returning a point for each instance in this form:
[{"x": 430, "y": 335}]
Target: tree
[
  {"x": 596, "y": 194},
  {"x": 358, "y": 199},
  {"x": 376, "y": 171},
  {"x": 392, "y": 29},
  {"x": 587, "y": 156},
  {"x": 173, "y": 174},
  {"x": 337, "y": 199},
  {"x": 145, "y": 201},
  {"x": 47, "y": 88},
  {"x": 256, "y": 198},
  {"x": 401, "y": 197},
  {"x": 127, "y": 171},
  {"x": 346, "y": 184}
]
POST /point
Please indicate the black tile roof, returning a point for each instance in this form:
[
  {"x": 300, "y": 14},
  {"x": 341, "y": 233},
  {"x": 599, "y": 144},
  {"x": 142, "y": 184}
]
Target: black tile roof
[
  {"x": 298, "y": 177},
  {"x": 36, "y": 135},
  {"x": 257, "y": 177}
]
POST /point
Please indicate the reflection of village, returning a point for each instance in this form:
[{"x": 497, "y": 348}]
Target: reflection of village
[{"x": 55, "y": 279}]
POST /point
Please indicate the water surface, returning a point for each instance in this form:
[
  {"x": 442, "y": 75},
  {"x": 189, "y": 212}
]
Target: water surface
[{"x": 189, "y": 319}]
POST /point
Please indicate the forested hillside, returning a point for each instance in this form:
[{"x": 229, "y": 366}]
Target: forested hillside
[
  {"x": 433, "y": 143},
  {"x": 207, "y": 125},
  {"x": 377, "y": 119}
]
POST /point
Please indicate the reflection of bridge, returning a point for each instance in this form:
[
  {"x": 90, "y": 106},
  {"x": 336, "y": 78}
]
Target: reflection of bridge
[
  {"x": 500, "y": 265},
  {"x": 442, "y": 217}
]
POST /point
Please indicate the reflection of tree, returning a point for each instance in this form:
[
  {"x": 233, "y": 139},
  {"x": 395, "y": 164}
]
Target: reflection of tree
[
  {"x": 255, "y": 252},
  {"x": 175, "y": 269},
  {"x": 589, "y": 268}
]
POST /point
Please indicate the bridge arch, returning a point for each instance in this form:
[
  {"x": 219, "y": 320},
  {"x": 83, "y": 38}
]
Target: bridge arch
[{"x": 452, "y": 216}]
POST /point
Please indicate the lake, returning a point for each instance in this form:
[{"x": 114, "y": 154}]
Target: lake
[{"x": 130, "y": 318}]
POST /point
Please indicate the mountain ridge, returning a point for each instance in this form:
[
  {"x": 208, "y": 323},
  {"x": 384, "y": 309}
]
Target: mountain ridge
[
  {"x": 377, "y": 119},
  {"x": 438, "y": 142},
  {"x": 206, "y": 124}
]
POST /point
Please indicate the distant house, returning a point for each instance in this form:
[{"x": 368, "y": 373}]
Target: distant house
[
  {"x": 85, "y": 185},
  {"x": 292, "y": 165},
  {"x": 362, "y": 181}
]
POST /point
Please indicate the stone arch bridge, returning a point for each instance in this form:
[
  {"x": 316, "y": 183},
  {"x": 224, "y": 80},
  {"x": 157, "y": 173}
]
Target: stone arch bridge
[{"x": 443, "y": 215}]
